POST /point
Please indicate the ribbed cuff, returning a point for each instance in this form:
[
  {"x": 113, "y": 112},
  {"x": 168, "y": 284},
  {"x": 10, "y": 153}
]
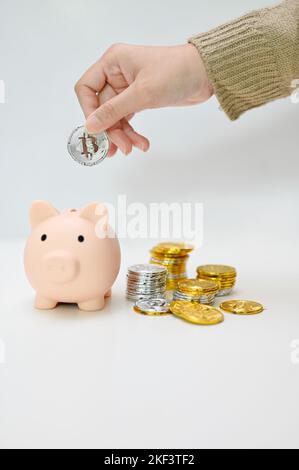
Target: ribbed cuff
[{"x": 248, "y": 60}]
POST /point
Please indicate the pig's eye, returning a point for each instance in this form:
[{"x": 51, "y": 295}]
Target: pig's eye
[
  {"x": 44, "y": 237},
  {"x": 80, "y": 239}
]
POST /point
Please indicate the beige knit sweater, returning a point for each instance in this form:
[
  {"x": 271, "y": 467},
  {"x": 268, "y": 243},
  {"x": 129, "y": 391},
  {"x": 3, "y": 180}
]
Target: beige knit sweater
[{"x": 254, "y": 59}]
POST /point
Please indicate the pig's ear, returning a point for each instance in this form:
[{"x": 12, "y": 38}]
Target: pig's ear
[
  {"x": 95, "y": 212},
  {"x": 40, "y": 211}
]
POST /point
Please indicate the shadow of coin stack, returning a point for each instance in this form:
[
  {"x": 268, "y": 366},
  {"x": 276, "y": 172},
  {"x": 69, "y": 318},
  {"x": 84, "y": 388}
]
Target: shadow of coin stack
[{"x": 174, "y": 257}]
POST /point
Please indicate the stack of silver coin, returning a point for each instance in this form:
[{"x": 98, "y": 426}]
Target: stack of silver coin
[{"x": 146, "y": 281}]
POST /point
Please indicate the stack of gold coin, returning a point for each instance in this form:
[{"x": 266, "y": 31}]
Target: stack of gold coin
[
  {"x": 196, "y": 290},
  {"x": 225, "y": 276},
  {"x": 174, "y": 257}
]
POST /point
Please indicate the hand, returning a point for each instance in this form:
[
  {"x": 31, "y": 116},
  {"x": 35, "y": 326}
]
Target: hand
[{"x": 128, "y": 79}]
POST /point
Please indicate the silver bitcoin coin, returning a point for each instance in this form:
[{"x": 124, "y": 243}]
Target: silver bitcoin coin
[
  {"x": 87, "y": 149},
  {"x": 158, "y": 306},
  {"x": 147, "y": 269}
]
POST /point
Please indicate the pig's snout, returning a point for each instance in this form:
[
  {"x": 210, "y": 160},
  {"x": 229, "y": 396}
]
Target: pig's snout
[{"x": 60, "y": 267}]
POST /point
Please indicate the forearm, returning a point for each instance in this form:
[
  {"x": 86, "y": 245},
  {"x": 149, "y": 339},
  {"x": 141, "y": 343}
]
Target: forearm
[{"x": 252, "y": 60}]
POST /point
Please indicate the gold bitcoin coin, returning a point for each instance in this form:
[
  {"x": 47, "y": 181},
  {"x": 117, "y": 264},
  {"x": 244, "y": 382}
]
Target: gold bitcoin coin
[
  {"x": 172, "y": 248},
  {"x": 242, "y": 307},
  {"x": 217, "y": 270},
  {"x": 196, "y": 313},
  {"x": 197, "y": 286}
]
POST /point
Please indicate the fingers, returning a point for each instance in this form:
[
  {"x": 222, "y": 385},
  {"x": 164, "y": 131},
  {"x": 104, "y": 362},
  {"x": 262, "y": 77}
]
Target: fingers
[
  {"x": 122, "y": 134},
  {"x": 87, "y": 88},
  {"x": 130, "y": 116},
  {"x": 121, "y": 140},
  {"x": 137, "y": 140},
  {"x": 112, "y": 150},
  {"x": 126, "y": 137},
  {"x": 114, "y": 110}
]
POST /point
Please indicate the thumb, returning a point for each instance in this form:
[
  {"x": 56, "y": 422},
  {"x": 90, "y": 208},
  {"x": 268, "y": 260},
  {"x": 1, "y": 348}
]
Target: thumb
[{"x": 113, "y": 111}]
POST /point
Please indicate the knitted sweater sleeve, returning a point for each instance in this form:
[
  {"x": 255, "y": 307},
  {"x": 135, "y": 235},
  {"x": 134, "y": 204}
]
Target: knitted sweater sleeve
[{"x": 254, "y": 59}]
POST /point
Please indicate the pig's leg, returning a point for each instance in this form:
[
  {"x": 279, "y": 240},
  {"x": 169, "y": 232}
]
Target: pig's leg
[
  {"x": 108, "y": 294},
  {"x": 44, "y": 304},
  {"x": 92, "y": 305}
]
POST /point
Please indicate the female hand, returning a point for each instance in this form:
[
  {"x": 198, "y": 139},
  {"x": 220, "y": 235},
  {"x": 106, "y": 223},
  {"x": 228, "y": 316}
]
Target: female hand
[{"x": 128, "y": 79}]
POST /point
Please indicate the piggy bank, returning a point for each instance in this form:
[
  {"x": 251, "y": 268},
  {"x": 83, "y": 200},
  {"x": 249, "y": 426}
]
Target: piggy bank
[{"x": 72, "y": 256}]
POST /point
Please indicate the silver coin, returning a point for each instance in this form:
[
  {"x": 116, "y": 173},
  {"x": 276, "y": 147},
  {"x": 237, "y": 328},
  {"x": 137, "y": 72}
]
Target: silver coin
[
  {"x": 150, "y": 294},
  {"x": 158, "y": 305},
  {"x": 202, "y": 296},
  {"x": 203, "y": 299},
  {"x": 144, "y": 291},
  {"x": 223, "y": 292},
  {"x": 196, "y": 299},
  {"x": 151, "y": 274},
  {"x": 147, "y": 268},
  {"x": 138, "y": 296},
  {"x": 87, "y": 149},
  {"x": 149, "y": 285},
  {"x": 145, "y": 287},
  {"x": 146, "y": 278},
  {"x": 135, "y": 298}
]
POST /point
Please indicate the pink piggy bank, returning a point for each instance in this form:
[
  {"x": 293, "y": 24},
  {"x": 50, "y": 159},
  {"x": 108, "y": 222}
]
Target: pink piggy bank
[{"x": 71, "y": 257}]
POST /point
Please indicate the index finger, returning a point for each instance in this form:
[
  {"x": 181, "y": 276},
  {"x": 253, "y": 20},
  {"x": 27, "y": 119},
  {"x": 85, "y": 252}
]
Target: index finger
[{"x": 88, "y": 87}]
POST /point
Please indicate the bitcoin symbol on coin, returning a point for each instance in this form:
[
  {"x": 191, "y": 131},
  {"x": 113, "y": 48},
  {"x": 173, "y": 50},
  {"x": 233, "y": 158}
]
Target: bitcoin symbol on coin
[{"x": 89, "y": 145}]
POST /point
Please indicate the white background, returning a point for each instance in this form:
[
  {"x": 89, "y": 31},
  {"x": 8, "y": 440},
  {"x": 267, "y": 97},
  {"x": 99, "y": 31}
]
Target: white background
[{"x": 116, "y": 379}]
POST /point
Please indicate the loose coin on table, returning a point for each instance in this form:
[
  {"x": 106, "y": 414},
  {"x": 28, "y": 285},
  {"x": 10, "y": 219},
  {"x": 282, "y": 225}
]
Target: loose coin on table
[
  {"x": 87, "y": 149},
  {"x": 196, "y": 313},
  {"x": 242, "y": 307},
  {"x": 157, "y": 306}
]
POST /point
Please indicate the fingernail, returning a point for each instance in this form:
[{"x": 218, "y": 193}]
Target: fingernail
[{"x": 93, "y": 125}]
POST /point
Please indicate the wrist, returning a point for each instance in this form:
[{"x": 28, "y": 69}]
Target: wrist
[{"x": 199, "y": 71}]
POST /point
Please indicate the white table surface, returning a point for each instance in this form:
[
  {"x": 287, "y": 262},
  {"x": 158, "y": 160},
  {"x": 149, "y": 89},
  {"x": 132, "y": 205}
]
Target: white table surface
[{"x": 116, "y": 379}]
